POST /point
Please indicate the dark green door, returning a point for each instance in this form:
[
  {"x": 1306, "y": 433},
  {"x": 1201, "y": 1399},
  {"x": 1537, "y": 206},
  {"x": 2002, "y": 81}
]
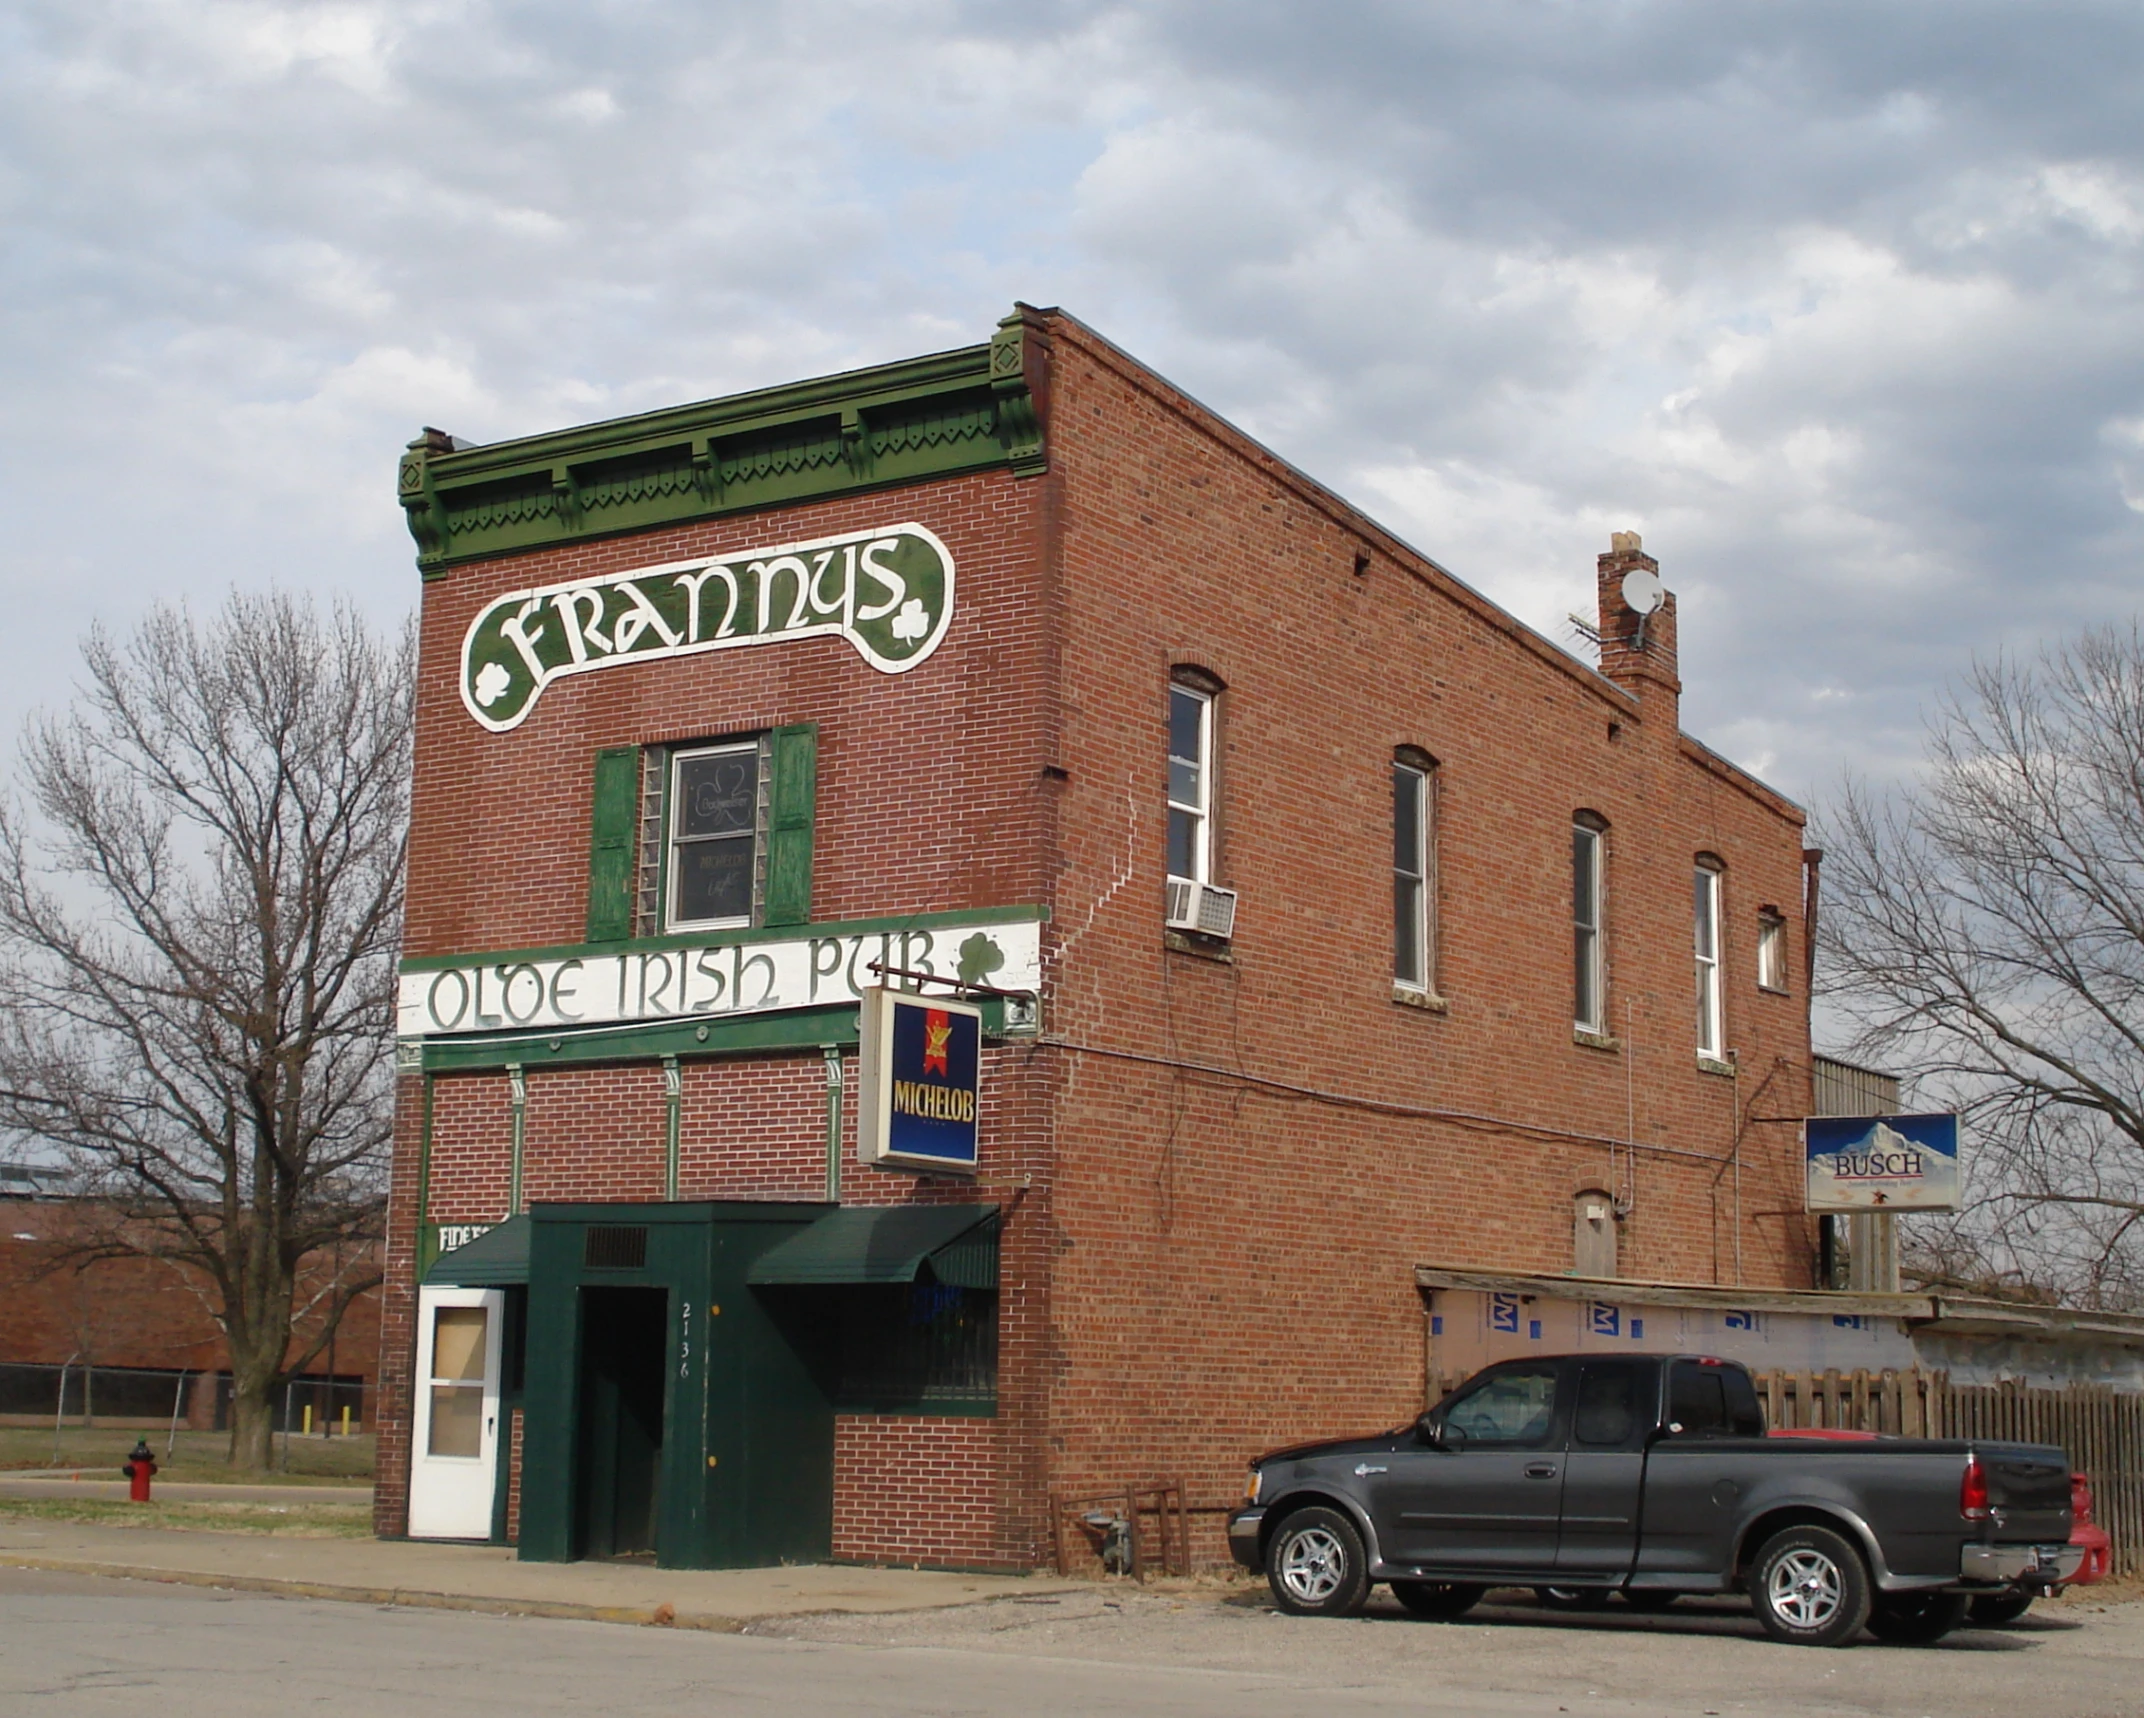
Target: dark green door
[{"x": 624, "y": 1368}]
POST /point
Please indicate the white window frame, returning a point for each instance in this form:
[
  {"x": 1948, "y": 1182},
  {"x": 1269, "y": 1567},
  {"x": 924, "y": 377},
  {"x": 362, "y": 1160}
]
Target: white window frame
[
  {"x": 1201, "y": 811},
  {"x": 1707, "y": 953},
  {"x": 680, "y": 756},
  {"x": 1772, "y": 952},
  {"x": 1419, "y": 919},
  {"x": 1589, "y": 1011}
]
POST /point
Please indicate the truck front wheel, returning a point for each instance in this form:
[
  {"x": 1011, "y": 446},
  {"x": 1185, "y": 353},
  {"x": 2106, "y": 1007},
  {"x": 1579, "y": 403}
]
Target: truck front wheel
[
  {"x": 1316, "y": 1565},
  {"x": 1810, "y": 1587}
]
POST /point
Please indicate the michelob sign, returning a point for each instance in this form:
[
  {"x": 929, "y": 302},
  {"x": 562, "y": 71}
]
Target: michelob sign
[
  {"x": 921, "y": 1074},
  {"x": 1882, "y": 1163},
  {"x": 888, "y": 591}
]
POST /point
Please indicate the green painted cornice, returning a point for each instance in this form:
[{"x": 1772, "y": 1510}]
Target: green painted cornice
[{"x": 952, "y": 412}]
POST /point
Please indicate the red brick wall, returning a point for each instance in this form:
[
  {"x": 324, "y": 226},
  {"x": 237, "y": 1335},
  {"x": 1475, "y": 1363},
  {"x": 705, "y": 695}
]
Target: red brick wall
[
  {"x": 136, "y": 1312},
  {"x": 1236, "y": 1264},
  {"x": 917, "y": 1490},
  {"x": 1218, "y": 1174}
]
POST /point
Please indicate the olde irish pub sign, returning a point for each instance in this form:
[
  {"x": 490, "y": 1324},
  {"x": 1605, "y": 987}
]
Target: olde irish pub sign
[
  {"x": 919, "y": 1066},
  {"x": 888, "y": 591}
]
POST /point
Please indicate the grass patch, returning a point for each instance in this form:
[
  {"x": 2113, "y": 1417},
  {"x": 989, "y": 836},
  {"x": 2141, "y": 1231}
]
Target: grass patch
[
  {"x": 293, "y": 1520},
  {"x": 199, "y": 1456}
]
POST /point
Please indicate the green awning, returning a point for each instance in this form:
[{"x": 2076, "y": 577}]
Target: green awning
[
  {"x": 952, "y": 1244},
  {"x": 498, "y": 1258}
]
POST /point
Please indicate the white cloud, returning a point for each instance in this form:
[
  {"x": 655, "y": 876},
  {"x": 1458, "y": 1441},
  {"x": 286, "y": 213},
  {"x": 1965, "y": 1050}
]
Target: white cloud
[{"x": 1843, "y": 316}]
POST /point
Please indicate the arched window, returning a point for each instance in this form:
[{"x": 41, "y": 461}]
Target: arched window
[
  {"x": 1589, "y": 965},
  {"x": 1593, "y": 1233},
  {"x": 1192, "y": 697},
  {"x": 1711, "y": 1024},
  {"x": 1414, "y": 837}
]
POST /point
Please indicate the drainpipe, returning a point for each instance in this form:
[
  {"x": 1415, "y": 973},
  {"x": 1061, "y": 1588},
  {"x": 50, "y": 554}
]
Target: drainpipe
[
  {"x": 833, "y": 1124},
  {"x": 518, "y": 1103},
  {"x": 673, "y": 1124}
]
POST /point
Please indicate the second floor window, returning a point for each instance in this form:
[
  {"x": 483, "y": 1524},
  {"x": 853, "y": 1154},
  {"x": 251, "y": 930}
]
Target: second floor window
[
  {"x": 1589, "y": 1006},
  {"x": 1706, "y": 891},
  {"x": 709, "y": 835},
  {"x": 718, "y": 805},
  {"x": 1410, "y": 873},
  {"x": 1190, "y": 783},
  {"x": 1771, "y": 950}
]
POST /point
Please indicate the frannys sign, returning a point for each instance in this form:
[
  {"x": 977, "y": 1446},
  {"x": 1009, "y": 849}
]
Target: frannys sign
[{"x": 888, "y": 591}]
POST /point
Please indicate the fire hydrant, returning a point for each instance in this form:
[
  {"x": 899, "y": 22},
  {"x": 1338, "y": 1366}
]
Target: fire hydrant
[{"x": 138, "y": 1467}]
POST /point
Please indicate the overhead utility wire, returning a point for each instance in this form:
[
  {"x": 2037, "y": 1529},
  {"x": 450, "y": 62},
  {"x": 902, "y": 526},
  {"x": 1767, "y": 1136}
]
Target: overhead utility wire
[{"x": 1376, "y": 1106}]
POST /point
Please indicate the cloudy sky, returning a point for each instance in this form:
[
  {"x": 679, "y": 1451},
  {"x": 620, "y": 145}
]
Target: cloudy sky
[{"x": 1837, "y": 303}]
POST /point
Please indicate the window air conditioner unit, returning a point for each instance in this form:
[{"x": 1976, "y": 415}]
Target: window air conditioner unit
[{"x": 1202, "y": 908}]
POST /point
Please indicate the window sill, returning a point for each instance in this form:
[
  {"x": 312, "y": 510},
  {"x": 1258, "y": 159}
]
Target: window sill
[
  {"x": 1426, "y": 1000},
  {"x": 1204, "y": 947},
  {"x": 1713, "y": 1065},
  {"x": 1595, "y": 1040},
  {"x": 1773, "y": 990}
]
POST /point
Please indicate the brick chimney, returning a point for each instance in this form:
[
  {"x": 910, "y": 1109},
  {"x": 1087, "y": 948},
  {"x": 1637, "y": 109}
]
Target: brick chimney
[{"x": 1637, "y": 649}]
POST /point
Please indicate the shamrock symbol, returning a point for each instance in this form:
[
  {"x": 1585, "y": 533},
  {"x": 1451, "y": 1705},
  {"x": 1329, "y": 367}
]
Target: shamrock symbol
[
  {"x": 911, "y": 623},
  {"x": 980, "y": 956},
  {"x": 492, "y": 684}
]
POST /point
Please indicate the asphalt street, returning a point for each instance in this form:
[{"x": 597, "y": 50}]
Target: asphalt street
[{"x": 87, "y": 1647}]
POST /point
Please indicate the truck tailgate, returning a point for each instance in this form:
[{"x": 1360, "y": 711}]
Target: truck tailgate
[{"x": 2029, "y": 1490}]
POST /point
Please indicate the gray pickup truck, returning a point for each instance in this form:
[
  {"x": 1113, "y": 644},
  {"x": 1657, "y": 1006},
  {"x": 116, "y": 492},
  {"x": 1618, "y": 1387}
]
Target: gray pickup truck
[{"x": 1651, "y": 1476}]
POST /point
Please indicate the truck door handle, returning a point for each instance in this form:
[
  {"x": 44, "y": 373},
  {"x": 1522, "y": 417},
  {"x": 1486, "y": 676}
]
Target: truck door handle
[{"x": 1541, "y": 1470}]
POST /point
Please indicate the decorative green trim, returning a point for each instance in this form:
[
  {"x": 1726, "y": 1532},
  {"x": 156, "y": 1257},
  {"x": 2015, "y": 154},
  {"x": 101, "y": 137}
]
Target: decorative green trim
[
  {"x": 795, "y": 1029},
  {"x": 972, "y": 409},
  {"x": 673, "y": 1125},
  {"x": 427, "y": 1236},
  {"x": 517, "y": 1102},
  {"x": 746, "y": 935},
  {"x": 833, "y": 1026}
]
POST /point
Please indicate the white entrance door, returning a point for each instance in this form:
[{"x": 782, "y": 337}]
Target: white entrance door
[{"x": 455, "y": 1460}]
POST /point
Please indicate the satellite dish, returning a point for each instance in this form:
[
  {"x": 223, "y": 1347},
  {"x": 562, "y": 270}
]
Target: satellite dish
[{"x": 1643, "y": 593}]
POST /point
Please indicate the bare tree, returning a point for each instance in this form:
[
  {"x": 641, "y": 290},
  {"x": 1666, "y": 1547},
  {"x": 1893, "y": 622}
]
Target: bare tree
[
  {"x": 1985, "y": 931},
  {"x": 200, "y": 908}
]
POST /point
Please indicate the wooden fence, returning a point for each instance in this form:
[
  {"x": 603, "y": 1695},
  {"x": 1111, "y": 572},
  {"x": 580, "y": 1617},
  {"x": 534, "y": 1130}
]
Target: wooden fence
[{"x": 2101, "y": 1430}]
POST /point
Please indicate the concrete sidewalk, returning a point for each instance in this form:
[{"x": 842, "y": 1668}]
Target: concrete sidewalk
[{"x": 487, "y": 1578}]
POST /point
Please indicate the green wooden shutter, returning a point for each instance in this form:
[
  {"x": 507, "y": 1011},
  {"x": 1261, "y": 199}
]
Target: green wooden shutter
[
  {"x": 794, "y": 761},
  {"x": 613, "y": 825}
]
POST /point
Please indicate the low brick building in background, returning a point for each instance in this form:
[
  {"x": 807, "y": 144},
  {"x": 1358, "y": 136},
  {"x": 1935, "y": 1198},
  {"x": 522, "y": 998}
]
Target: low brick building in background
[
  {"x": 141, "y": 1330},
  {"x": 1325, "y": 922}
]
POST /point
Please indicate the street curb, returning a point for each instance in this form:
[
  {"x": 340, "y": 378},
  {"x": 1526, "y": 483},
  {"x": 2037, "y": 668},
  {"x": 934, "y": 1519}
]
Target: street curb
[{"x": 415, "y": 1598}]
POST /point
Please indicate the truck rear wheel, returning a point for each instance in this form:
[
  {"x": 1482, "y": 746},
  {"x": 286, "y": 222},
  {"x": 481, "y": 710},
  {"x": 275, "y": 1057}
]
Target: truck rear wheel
[
  {"x": 1916, "y": 1619},
  {"x": 1316, "y": 1565},
  {"x": 1810, "y": 1587}
]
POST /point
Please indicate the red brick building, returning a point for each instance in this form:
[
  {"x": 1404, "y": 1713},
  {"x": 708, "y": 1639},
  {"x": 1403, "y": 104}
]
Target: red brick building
[
  {"x": 1325, "y": 922},
  {"x": 146, "y": 1329}
]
